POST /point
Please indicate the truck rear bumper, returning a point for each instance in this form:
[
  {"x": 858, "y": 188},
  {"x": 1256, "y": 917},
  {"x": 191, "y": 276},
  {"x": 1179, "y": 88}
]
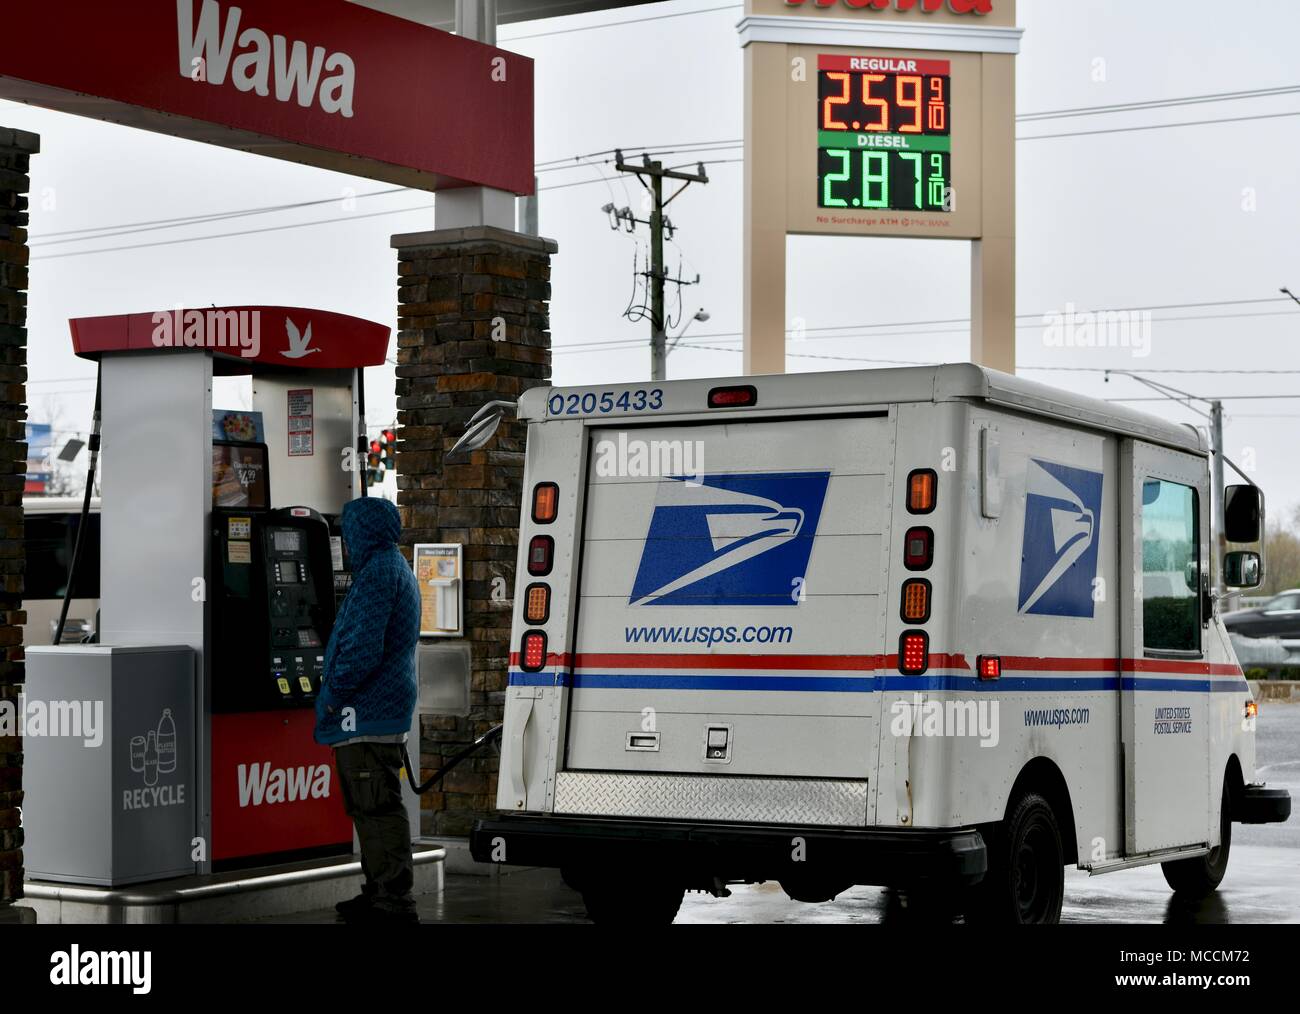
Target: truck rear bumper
[
  {"x": 1261, "y": 805},
  {"x": 737, "y": 852}
]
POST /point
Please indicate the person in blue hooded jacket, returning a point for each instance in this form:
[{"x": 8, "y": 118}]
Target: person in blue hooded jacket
[{"x": 366, "y": 703}]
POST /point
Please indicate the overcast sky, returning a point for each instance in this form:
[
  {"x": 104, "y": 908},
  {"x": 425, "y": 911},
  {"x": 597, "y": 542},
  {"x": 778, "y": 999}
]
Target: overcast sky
[{"x": 1149, "y": 218}]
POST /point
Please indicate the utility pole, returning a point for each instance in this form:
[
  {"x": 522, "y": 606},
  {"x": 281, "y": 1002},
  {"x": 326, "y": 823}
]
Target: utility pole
[
  {"x": 652, "y": 176},
  {"x": 1217, "y": 490}
]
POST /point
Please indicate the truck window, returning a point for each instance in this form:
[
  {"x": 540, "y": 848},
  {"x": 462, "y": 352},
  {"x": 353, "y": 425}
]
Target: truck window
[{"x": 1171, "y": 569}]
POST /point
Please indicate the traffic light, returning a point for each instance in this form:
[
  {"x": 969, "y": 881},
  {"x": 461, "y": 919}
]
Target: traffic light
[{"x": 381, "y": 457}]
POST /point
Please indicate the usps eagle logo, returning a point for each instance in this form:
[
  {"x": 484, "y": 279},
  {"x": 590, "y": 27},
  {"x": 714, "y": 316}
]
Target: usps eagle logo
[
  {"x": 730, "y": 540},
  {"x": 1058, "y": 566}
]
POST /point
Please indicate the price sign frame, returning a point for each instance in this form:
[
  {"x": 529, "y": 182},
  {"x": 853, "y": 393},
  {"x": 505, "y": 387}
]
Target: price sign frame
[{"x": 961, "y": 146}]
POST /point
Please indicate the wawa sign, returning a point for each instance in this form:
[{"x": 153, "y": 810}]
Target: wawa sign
[
  {"x": 323, "y": 82},
  {"x": 273, "y": 788}
]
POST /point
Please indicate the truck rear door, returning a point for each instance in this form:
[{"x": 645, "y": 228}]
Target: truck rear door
[{"x": 730, "y": 611}]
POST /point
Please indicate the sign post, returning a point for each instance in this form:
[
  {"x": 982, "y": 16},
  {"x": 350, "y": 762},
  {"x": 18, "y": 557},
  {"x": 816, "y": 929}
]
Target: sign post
[{"x": 866, "y": 118}]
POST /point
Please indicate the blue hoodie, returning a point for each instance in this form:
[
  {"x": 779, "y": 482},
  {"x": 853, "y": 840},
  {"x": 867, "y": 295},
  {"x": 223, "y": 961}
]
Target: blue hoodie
[{"x": 370, "y": 658}]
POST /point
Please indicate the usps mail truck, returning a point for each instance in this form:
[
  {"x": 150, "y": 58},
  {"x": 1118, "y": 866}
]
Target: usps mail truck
[{"x": 937, "y": 628}]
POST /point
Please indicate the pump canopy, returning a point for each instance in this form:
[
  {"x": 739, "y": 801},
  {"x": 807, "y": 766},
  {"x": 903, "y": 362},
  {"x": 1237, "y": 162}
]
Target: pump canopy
[{"x": 243, "y": 339}]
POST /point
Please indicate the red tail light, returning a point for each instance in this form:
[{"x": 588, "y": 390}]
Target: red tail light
[
  {"x": 914, "y": 653},
  {"x": 541, "y": 552},
  {"x": 918, "y": 549},
  {"x": 532, "y": 651},
  {"x": 733, "y": 397},
  {"x": 989, "y": 667}
]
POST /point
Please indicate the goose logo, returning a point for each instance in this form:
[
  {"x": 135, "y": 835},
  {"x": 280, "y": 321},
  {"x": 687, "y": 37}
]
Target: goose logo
[
  {"x": 730, "y": 540},
  {"x": 298, "y": 341},
  {"x": 1058, "y": 563}
]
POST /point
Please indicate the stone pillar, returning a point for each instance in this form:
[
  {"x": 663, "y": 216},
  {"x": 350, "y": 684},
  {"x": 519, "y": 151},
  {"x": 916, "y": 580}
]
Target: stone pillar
[
  {"x": 473, "y": 327},
  {"x": 16, "y": 149}
]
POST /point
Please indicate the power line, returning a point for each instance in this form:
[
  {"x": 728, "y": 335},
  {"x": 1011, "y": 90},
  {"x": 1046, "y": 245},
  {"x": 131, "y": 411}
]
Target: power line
[
  {"x": 45, "y": 239},
  {"x": 601, "y": 343},
  {"x": 1159, "y": 126},
  {"x": 1187, "y": 100}
]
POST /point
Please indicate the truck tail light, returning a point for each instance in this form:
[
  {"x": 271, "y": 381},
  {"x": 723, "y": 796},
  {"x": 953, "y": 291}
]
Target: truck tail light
[
  {"x": 546, "y": 502},
  {"x": 532, "y": 651},
  {"x": 989, "y": 667},
  {"x": 914, "y": 653},
  {"x": 916, "y": 601},
  {"x": 733, "y": 397},
  {"x": 1252, "y": 709},
  {"x": 918, "y": 549},
  {"x": 537, "y": 603},
  {"x": 922, "y": 491},
  {"x": 541, "y": 553}
]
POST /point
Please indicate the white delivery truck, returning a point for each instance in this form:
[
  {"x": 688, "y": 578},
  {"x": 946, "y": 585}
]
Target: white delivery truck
[{"x": 940, "y": 628}]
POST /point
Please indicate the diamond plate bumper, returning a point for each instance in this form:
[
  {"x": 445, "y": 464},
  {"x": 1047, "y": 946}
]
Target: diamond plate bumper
[
  {"x": 697, "y": 853},
  {"x": 713, "y": 798}
]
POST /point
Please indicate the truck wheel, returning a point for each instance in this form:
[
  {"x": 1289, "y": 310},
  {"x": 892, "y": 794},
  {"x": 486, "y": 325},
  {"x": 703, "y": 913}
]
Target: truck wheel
[
  {"x": 1025, "y": 882},
  {"x": 632, "y": 901},
  {"x": 1202, "y": 875},
  {"x": 814, "y": 890}
]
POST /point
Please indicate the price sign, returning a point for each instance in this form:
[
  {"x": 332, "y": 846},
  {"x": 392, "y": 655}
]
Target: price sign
[{"x": 884, "y": 133}]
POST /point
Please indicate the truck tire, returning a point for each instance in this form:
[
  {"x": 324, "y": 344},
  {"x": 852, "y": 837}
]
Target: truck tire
[
  {"x": 1195, "y": 878},
  {"x": 1025, "y": 882},
  {"x": 631, "y": 901}
]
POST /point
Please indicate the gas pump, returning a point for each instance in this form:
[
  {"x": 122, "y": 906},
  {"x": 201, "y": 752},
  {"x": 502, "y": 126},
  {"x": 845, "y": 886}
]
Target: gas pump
[{"x": 226, "y": 544}]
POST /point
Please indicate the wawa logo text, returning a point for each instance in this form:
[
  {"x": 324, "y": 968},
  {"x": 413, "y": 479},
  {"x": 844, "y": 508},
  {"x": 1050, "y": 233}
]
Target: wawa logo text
[
  {"x": 926, "y": 6},
  {"x": 261, "y": 784},
  {"x": 261, "y": 60}
]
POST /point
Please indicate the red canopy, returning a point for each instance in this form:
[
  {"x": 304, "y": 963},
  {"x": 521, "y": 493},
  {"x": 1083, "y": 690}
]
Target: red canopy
[{"x": 241, "y": 338}]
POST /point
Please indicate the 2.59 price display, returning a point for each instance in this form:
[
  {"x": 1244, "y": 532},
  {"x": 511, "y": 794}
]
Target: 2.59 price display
[{"x": 884, "y": 129}]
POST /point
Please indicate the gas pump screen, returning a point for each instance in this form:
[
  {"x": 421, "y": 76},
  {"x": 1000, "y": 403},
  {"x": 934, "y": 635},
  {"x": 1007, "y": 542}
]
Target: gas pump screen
[
  {"x": 239, "y": 476},
  {"x": 884, "y": 133},
  {"x": 287, "y": 541}
]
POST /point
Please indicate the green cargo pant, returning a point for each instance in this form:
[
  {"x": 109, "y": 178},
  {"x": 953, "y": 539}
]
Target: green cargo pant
[{"x": 370, "y": 777}]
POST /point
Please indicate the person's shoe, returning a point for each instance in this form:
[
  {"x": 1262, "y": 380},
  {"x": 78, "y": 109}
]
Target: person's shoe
[{"x": 355, "y": 907}]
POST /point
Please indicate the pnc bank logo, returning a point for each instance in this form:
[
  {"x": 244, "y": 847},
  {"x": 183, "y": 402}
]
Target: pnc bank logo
[
  {"x": 257, "y": 62},
  {"x": 925, "y": 6}
]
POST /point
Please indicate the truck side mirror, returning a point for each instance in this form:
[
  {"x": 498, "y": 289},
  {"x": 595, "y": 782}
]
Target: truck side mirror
[
  {"x": 1243, "y": 514},
  {"x": 1243, "y": 570},
  {"x": 482, "y": 427}
]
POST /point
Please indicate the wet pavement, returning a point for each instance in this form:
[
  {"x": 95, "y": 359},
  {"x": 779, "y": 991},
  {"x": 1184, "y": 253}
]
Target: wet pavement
[{"x": 1262, "y": 884}]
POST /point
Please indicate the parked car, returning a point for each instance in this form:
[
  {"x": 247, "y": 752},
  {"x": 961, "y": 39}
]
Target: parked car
[{"x": 1278, "y": 617}]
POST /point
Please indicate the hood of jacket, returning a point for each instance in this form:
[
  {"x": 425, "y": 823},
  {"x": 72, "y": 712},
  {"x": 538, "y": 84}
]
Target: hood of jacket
[{"x": 369, "y": 524}]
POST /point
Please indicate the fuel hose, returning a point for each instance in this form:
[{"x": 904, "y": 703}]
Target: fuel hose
[{"x": 489, "y": 737}]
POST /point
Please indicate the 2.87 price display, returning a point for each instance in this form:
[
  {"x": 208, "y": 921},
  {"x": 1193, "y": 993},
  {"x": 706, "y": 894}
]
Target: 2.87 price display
[{"x": 884, "y": 133}]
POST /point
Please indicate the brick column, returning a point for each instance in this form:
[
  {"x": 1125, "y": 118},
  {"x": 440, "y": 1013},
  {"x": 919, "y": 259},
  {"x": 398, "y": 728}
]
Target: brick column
[
  {"x": 16, "y": 148},
  {"x": 472, "y": 328}
]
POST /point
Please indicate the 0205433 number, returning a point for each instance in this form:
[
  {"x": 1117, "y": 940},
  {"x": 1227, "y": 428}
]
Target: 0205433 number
[{"x": 605, "y": 403}]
